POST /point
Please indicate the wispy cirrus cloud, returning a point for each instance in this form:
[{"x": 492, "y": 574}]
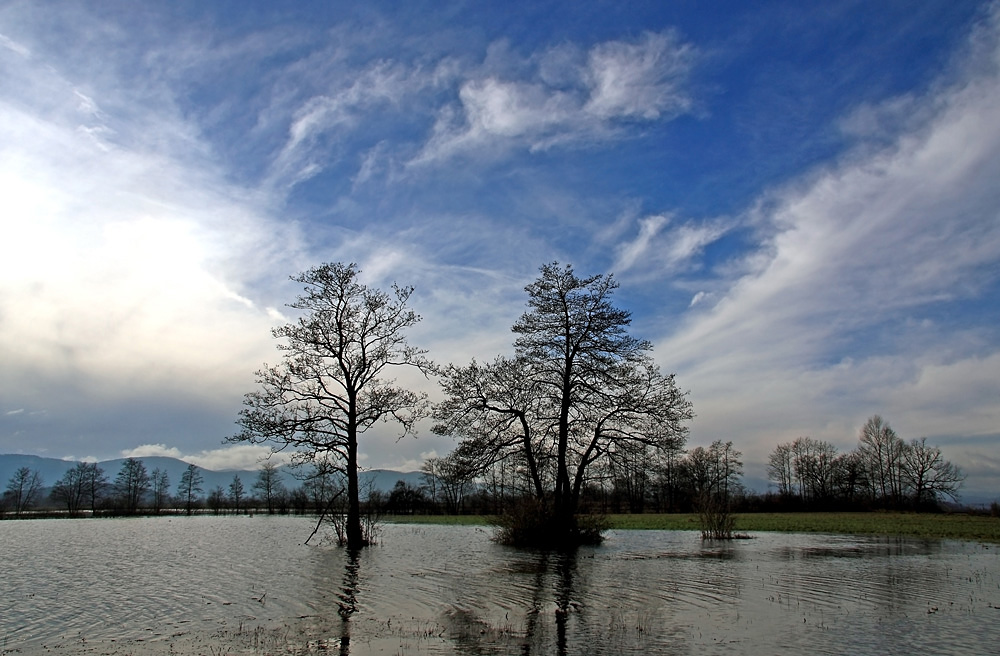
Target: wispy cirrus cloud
[
  {"x": 565, "y": 96},
  {"x": 873, "y": 255}
]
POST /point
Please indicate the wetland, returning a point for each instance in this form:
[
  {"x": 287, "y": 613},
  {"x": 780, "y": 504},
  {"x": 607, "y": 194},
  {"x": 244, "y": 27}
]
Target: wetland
[{"x": 234, "y": 584}]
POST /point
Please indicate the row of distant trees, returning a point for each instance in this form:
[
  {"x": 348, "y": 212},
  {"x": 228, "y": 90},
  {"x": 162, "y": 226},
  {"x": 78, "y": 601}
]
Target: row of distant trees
[
  {"x": 87, "y": 487},
  {"x": 657, "y": 478},
  {"x": 883, "y": 471}
]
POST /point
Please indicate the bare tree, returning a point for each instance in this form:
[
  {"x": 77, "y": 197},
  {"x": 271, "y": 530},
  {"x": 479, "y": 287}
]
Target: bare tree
[
  {"x": 190, "y": 487},
  {"x": 667, "y": 467},
  {"x": 456, "y": 478},
  {"x": 131, "y": 484},
  {"x": 429, "y": 479},
  {"x": 929, "y": 475},
  {"x": 323, "y": 481},
  {"x": 95, "y": 484},
  {"x": 159, "y": 484},
  {"x": 780, "y": 469},
  {"x": 578, "y": 390},
  {"x": 498, "y": 411},
  {"x": 23, "y": 489},
  {"x": 236, "y": 493},
  {"x": 269, "y": 486},
  {"x": 216, "y": 499},
  {"x": 815, "y": 465},
  {"x": 881, "y": 451},
  {"x": 331, "y": 385},
  {"x": 71, "y": 489}
]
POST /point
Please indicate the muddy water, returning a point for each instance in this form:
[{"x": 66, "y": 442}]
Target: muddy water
[{"x": 248, "y": 585}]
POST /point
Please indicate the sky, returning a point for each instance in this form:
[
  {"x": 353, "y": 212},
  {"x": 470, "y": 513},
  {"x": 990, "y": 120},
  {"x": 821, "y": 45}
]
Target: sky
[{"x": 800, "y": 202}]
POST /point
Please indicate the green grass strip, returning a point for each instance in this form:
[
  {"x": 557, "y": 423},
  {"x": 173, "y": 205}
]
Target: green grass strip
[{"x": 920, "y": 525}]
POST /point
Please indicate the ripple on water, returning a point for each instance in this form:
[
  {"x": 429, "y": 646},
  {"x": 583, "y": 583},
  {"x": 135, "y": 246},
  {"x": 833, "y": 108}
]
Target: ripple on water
[{"x": 449, "y": 589}]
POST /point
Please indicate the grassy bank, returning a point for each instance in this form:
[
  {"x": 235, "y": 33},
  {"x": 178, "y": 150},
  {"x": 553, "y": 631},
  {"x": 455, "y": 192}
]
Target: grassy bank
[{"x": 921, "y": 525}]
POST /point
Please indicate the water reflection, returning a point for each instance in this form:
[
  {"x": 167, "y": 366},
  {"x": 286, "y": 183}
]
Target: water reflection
[
  {"x": 93, "y": 586},
  {"x": 348, "y": 599}
]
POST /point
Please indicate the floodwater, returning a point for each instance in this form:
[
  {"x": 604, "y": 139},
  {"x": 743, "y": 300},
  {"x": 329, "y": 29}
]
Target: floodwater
[{"x": 231, "y": 585}]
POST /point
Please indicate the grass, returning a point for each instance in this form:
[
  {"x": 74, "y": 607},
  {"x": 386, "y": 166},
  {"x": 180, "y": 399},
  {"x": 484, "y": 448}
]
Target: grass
[{"x": 921, "y": 525}]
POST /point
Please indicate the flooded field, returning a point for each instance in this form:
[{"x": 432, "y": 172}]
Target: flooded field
[{"x": 230, "y": 585}]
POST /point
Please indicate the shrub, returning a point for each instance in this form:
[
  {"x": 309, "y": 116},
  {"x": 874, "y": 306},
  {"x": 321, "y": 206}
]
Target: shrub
[
  {"x": 529, "y": 523},
  {"x": 716, "y": 518}
]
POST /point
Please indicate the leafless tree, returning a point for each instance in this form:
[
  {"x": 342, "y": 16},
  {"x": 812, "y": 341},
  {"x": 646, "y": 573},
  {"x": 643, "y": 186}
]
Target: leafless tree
[
  {"x": 131, "y": 484},
  {"x": 190, "y": 487},
  {"x": 95, "y": 484},
  {"x": 236, "y": 492},
  {"x": 268, "y": 486},
  {"x": 159, "y": 485},
  {"x": 781, "y": 470},
  {"x": 928, "y": 474},
  {"x": 23, "y": 489},
  {"x": 216, "y": 499},
  {"x": 331, "y": 385},
  {"x": 578, "y": 390},
  {"x": 881, "y": 451},
  {"x": 71, "y": 489}
]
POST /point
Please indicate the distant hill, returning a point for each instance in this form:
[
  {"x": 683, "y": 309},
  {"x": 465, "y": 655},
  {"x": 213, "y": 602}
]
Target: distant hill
[{"x": 52, "y": 469}]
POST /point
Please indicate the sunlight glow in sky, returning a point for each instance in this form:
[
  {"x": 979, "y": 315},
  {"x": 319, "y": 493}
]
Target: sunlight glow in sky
[{"x": 800, "y": 203}]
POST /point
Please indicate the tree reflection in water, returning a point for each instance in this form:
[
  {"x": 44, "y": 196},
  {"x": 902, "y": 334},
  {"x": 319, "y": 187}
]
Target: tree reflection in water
[
  {"x": 347, "y": 599},
  {"x": 554, "y": 592}
]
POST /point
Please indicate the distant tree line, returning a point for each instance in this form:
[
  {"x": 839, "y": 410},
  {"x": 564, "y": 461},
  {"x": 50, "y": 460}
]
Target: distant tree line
[
  {"x": 86, "y": 489},
  {"x": 883, "y": 471}
]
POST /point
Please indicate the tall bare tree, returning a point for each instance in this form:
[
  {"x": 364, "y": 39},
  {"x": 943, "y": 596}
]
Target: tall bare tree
[
  {"x": 131, "y": 484},
  {"x": 268, "y": 486},
  {"x": 23, "y": 489},
  {"x": 928, "y": 475},
  {"x": 190, "y": 487},
  {"x": 71, "y": 488},
  {"x": 236, "y": 492},
  {"x": 881, "y": 450},
  {"x": 578, "y": 391},
  {"x": 159, "y": 486},
  {"x": 332, "y": 383},
  {"x": 95, "y": 484},
  {"x": 780, "y": 469}
]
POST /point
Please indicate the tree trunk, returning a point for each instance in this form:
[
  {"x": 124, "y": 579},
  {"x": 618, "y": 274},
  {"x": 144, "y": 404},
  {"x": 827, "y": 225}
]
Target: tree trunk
[{"x": 355, "y": 536}]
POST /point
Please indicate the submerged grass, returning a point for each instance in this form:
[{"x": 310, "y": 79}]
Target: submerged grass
[{"x": 954, "y": 526}]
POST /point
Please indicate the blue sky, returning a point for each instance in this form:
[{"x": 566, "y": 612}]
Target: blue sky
[{"x": 800, "y": 203}]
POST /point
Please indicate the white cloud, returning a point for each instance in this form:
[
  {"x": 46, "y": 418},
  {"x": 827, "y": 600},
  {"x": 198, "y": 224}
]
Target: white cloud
[
  {"x": 698, "y": 298},
  {"x": 238, "y": 456},
  {"x": 630, "y": 252},
  {"x": 125, "y": 264},
  {"x": 14, "y": 46},
  {"x": 663, "y": 246},
  {"x": 151, "y": 451},
  {"x": 643, "y": 79},
  {"x": 870, "y": 245},
  {"x": 564, "y": 99},
  {"x": 347, "y": 101}
]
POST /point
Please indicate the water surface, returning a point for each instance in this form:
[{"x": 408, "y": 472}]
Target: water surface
[{"x": 249, "y": 585}]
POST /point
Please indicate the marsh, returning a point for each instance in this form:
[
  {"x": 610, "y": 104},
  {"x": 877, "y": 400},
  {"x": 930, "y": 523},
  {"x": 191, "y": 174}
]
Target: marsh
[{"x": 238, "y": 584}]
